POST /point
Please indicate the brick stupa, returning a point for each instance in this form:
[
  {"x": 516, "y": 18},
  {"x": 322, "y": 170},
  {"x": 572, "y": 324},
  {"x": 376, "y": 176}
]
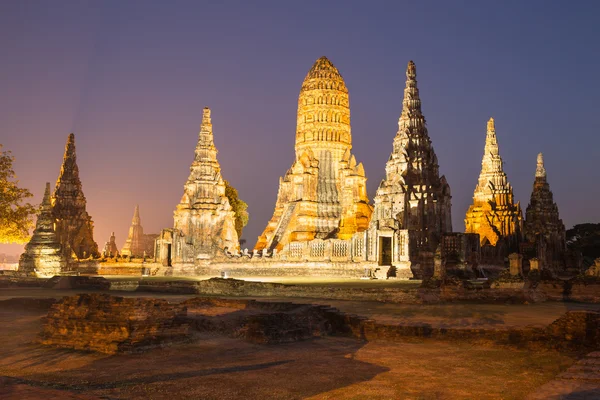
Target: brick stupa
[
  {"x": 323, "y": 195},
  {"x": 543, "y": 226},
  {"x": 494, "y": 215},
  {"x": 412, "y": 196},
  {"x": 43, "y": 255},
  {"x": 74, "y": 226}
]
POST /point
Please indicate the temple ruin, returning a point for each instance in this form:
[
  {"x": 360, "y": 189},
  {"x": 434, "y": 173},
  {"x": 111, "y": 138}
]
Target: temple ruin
[
  {"x": 323, "y": 195},
  {"x": 204, "y": 222},
  {"x": 493, "y": 214},
  {"x": 43, "y": 255},
  {"x": 413, "y": 203},
  {"x": 74, "y": 226},
  {"x": 543, "y": 230},
  {"x": 110, "y": 247}
]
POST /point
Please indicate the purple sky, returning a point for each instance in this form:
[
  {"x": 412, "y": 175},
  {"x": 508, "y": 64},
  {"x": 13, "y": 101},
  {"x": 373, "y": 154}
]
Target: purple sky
[{"x": 131, "y": 79}]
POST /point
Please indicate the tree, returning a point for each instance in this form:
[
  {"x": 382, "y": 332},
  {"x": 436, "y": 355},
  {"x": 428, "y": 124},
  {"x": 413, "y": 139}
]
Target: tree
[
  {"x": 585, "y": 239},
  {"x": 16, "y": 217},
  {"x": 239, "y": 207}
]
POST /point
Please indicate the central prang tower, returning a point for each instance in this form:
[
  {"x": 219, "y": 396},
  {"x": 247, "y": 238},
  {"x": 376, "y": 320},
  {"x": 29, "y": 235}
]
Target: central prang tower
[{"x": 323, "y": 195}]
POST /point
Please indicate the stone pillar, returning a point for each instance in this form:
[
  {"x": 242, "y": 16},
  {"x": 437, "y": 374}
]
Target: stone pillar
[
  {"x": 534, "y": 264},
  {"x": 515, "y": 261},
  {"x": 439, "y": 266}
]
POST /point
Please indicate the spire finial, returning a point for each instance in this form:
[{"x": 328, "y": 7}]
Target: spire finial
[
  {"x": 46, "y": 199},
  {"x": 136, "y": 216},
  {"x": 411, "y": 70},
  {"x": 491, "y": 126},
  {"x": 540, "y": 171},
  {"x": 206, "y": 127}
]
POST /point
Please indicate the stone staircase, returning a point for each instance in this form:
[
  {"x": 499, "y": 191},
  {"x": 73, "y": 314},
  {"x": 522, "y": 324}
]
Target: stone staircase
[
  {"x": 586, "y": 369},
  {"x": 580, "y": 382},
  {"x": 283, "y": 223}
]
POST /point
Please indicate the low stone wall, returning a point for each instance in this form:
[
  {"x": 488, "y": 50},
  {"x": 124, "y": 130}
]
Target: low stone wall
[
  {"x": 134, "y": 268},
  {"x": 241, "y": 269},
  {"x": 108, "y": 324},
  {"x": 240, "y": 288}
]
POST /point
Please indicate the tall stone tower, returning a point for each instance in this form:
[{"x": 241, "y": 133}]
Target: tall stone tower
[
  {"x": 543, "y": 226},
  {"x": 135, "y": 244},
  {"x": 43, "y": 255},
  {"x": 204, "y": 222},
  {"x": 493, "y": 214},
  {"x": 323, "y": 195},
  {"x": 74, "y": 226},
  {"x": 412, "y": 197}
]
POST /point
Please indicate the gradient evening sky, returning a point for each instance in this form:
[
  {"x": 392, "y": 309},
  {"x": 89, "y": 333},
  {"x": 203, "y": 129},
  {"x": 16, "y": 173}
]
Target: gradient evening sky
[{"x": 130, "y": 79}]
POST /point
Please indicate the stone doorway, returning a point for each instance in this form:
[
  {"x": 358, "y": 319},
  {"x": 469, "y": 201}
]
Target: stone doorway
[
  {"x": 385, "y": 250},
  {"x": 169, "y": 254}
]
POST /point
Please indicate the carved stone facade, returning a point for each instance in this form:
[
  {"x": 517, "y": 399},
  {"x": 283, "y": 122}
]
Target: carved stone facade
[
  {"x": 493, "y": 214},
  {"x": 204, "y": 222},
  {"x": 74, "y": 226},
  {"x": 135, "y": 245},
  {"x": 543, "y": 227},
  {"x": 323, "y": 195},
  {"x": 43, "y": 255},
  {"x": 413, "y": 203}
]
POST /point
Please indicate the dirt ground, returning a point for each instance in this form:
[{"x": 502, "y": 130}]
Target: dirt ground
[{"x": 214, "y": 367}]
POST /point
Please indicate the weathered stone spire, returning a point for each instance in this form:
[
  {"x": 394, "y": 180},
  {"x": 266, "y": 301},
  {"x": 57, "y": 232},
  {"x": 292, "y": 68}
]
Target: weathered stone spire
[
  {"x": 135, "y": 244},
  {"x": 411, "y": 118},
  {"x": 540, "y": 171},
  {"x": 204, "y": 220},
  {"x": 43, "y": 254},
  {"x": 493, "y": 214},
  {"x": 413, "y": 196},
  {"x": 323, "y": 195},
  {"x": 74, "y": 226},
  {"x": 543, "y": 226}
]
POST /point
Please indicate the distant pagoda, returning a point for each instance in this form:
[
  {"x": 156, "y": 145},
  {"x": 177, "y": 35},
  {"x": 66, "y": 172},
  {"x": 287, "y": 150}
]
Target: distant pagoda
[
  {"x": 493, "y": 214},
  {"x": 543, "y": 226},
  {"x": 412, "y": 197},
  {"x": 204, "y": 222},
  {"x": 74, "y": 226},
  {"x": 43, "y": 255},
  {"x": 135, "y": 245},
  {"x": 323, "y": 195}
]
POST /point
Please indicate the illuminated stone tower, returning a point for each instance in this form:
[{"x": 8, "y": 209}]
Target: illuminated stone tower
[
  {"x": 74, "y": 226},
  {"x": 204, "y": 222},
  {"x": 323, "y": 195},
  {"x": 43, "y": 255},
  {"x": 412, "y": 197},
  {"x": 543, "y": 226},
  {"x": 135, "y": 244},
  {"x": 493, "y": 214}
]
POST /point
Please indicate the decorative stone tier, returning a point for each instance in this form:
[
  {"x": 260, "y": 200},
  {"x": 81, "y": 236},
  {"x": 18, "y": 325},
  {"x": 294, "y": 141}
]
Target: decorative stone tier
[{"x": 107, "y": 324}]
